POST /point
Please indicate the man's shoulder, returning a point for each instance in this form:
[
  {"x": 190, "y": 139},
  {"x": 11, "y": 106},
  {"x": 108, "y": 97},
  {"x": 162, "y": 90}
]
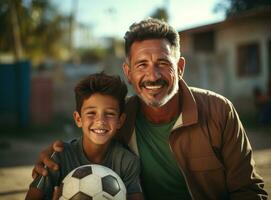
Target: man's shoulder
[
  {"x": 204, "y": 95},
  {"x": 211, "y": 103}
]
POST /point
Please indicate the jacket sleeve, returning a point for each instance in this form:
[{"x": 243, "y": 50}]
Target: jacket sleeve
[{"x": 242, "y": 180}]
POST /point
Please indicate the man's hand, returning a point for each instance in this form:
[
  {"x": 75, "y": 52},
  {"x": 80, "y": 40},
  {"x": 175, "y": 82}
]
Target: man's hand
[
  {"x": 57, "y": 193},
  {"x": 44, "y": 159}
]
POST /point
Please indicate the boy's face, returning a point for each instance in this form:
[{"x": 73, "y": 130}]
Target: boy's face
[{"x": 99, "y": 118}]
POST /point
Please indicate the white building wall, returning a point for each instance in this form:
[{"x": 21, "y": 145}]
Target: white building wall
[{"x": 227, "y": 40}]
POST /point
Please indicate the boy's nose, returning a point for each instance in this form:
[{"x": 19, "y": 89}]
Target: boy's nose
[{"x": 100, "y": 119}]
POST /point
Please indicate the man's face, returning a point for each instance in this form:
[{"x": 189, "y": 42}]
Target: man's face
[
  {"x": 99, "y": 119},
  {"x": 153, "y": 71}
]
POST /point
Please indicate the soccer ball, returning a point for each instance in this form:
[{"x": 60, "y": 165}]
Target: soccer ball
[{"x": 93, "y": 182}]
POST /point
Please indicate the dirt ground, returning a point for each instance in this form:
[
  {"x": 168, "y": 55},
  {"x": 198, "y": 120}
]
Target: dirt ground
[{"x": 18, "y": 155}]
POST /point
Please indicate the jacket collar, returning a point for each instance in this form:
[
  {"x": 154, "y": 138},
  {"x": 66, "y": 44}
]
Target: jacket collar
[
  {"x": 189, "y": 111},
  {"x": 188, "y": 115}
]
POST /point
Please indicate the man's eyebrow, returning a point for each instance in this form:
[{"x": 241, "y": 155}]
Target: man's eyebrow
[
  {"x": 164, "y": 59},
  {"x": 141, "y": 61}
]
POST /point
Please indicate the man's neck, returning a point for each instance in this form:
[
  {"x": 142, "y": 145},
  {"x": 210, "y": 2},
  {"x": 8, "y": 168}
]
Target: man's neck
[{"x": 162, "y": 114}]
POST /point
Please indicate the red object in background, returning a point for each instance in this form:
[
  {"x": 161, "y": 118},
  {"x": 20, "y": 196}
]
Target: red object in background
[{"x": 41, "y": 104}]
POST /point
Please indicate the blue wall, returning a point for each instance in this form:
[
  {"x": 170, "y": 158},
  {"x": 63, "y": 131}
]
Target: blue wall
[{"x": 15, "y": 94}]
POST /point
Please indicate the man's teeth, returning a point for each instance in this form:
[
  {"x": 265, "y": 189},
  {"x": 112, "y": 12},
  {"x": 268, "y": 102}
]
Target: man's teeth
[{"x": 153, "y": 87}]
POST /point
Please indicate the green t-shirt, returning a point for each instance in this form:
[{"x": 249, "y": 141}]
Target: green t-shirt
[
  {"x": 119, "y": 159},
  {"x": 161, "y": 177}
]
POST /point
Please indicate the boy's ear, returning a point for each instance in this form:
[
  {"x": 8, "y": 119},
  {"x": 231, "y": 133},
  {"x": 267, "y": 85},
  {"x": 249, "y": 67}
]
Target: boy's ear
[
  {"x": 77, "y": 119},
  {"x": 121, "y": 120}
]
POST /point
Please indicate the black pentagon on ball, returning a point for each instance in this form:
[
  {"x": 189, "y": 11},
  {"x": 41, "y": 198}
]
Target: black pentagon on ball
[
  {"x": 110, "y": 185},
  {"x": 82, "y": 172},
  {"x": 81, "y": 196}
]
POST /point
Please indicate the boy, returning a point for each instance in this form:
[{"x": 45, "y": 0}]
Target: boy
[{"x": 100, "y": 101}]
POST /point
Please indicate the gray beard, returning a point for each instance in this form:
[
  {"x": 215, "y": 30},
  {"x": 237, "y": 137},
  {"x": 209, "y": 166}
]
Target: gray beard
[{"x": 157, "y": 104}]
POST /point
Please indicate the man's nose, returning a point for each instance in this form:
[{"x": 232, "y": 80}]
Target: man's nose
[{"x": 154, "y": 73}]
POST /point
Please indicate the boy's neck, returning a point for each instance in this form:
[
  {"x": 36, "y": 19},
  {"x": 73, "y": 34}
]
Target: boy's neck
[{"x": 95, "y": 153}]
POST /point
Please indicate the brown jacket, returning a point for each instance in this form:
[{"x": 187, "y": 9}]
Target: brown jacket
[{"x": 210, "y": 145}]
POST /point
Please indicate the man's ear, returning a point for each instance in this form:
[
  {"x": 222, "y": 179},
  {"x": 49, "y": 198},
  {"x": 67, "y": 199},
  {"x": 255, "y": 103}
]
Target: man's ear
[
  {"x": 126, "y": 71},
  {"x": 121, "y": 120},
  {"x": 77, "y": 119},
  {"x": 181, "y": 67}
]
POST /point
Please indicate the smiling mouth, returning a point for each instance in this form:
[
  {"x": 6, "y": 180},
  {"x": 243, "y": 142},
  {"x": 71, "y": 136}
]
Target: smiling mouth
[
  {"x": 154, "y": 86},
  {"x": 99, "y": 131}
]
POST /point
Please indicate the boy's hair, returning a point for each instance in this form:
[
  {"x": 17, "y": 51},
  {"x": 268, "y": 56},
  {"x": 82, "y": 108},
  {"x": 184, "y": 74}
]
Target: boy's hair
[
  {"x": 152, "y": 29},
  {"x": 102, "y": 84}
]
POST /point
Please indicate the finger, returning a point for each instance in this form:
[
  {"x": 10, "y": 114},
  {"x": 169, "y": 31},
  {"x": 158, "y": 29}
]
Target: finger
[
  {"x": 58, "y": 146},
  {"x": 39, "y": 170},
  {"x": 50, "y": 163},
  {"x": 45, "y": 158},
  {"x": 34, "y": 173},
  {"x": 56, "y": 193},
  {"x": 46, "y": 153}
]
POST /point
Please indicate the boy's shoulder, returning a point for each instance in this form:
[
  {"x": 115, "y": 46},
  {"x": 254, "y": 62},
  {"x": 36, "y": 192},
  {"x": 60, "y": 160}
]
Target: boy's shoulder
[
  {"x": 122, "y": 152},
  {"x": 71, "y": 147},
  {"x": 72, "y": 142}
]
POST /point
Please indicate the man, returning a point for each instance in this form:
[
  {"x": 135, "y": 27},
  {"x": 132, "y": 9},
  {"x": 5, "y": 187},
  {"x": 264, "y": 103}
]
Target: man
[{"x": 190, "y": 141}]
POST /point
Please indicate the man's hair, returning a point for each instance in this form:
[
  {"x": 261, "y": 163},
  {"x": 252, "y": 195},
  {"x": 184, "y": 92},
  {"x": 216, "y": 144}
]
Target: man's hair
[
  {"x": 103, "y": 84},
  {"x": 152, "y": 29}
]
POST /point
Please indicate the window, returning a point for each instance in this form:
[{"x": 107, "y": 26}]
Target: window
[
  {"x": 248, "y": 59},
  {"x": 204, "y": 42}
]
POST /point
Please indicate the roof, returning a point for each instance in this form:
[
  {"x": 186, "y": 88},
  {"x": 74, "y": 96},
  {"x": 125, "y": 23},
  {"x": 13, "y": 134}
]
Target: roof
[{"x": 261, "y": 12}]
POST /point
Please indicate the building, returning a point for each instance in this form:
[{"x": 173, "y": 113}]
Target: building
[{"x": 231, "y": 57}]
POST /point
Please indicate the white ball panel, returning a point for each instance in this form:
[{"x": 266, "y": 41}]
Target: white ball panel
[
  {"x": 71, "y": 187},
  {"x": 91, "y": 185},
  {"x": 101, "y": 170}
]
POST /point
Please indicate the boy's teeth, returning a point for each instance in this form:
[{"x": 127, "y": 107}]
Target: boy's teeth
[{"x": 100, "y": 131}]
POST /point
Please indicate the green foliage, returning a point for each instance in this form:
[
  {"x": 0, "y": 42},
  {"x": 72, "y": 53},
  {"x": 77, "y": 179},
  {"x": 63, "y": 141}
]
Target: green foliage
[
  {"x": 41, "y": 28},
  {"x": 235, "y": 7},
  {"x": 160, "y": 13},
  {"x": 92, "y": 55}
]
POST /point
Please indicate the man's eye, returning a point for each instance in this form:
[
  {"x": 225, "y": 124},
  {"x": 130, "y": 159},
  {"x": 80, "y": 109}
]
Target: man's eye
[
  {"x": 163, "y": 64},
  {"x": 141, "y": 66},
  {"x": 90, "y": 113}
]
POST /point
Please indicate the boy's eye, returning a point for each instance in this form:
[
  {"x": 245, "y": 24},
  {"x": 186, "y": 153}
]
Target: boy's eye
[
  {"x": 111, "y": 114},
  {"x": 90, "y": 113}
]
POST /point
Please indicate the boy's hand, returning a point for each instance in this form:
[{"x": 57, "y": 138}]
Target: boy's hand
[{"x": 44, "y": 159}]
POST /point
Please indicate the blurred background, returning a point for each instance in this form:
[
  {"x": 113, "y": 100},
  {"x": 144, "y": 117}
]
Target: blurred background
[{"x": 46, "y": 46}]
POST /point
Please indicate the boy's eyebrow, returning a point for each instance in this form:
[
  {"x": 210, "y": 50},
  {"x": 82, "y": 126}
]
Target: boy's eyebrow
[
  {"x": 89, "y": 107},
  {"x": 111, "y": 108}
]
